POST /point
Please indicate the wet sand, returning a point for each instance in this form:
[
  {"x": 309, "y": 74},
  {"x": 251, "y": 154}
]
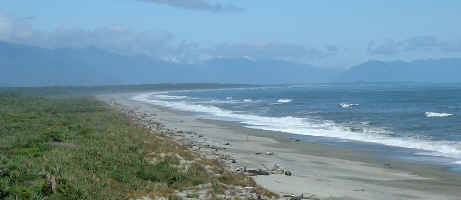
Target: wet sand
[{"x": 327, "y": 172}]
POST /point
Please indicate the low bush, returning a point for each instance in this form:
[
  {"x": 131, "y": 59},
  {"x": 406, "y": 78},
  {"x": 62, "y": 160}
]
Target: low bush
[{"x": 79, "y": 148}]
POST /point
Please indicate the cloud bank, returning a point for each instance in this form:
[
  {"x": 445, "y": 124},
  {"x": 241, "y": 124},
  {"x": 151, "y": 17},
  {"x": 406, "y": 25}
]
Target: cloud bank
[
  {"x": 419, "y": 44},
  {"x": 198, "y": 5},
  {"x": 157, "y": 44},
  {"x": 272, "y": 50},
  {"x": 115, "y": 38}
]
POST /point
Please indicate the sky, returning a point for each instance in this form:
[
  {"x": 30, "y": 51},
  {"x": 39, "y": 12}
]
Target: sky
[{"x": 324, "y": 33}]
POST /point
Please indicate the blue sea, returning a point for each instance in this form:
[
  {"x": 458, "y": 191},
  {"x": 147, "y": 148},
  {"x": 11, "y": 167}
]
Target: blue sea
[{"x": 406, "y": 121}]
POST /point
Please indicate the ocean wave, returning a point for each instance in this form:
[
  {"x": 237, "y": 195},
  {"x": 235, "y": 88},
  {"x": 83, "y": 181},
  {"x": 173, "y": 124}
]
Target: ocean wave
[
  {"x": 313, "y": 127},
  {"x": 216, "y": 101},
  {"x": 365, "y": 123},
  {"x": 248, "y": 100},
  {"x": 346, "y": 105},
  {"x": 169, "y": 97},
  {"x": 284, "y": 101},
  {"x": 434, "y": 114}
]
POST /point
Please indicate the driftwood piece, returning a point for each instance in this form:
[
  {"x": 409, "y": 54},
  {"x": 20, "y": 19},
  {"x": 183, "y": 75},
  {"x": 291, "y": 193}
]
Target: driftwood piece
[
  {"x": 52, "y": 180},
  {"x": 256, "y": 172},
  {"x": 300, "y": 197}
]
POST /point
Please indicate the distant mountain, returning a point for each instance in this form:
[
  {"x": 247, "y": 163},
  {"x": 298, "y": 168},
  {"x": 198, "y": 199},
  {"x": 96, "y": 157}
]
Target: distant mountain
[
  {"x": 243, "y": 70},
  {"x": 33, "y": 66},
  {"x": 432, "y": 70},
  {"x": 22, "y": 65}
]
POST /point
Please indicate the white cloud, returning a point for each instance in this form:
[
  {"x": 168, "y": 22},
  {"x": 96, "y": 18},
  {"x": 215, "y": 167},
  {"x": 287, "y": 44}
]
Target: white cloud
[
  {"x": 270, "y": 50},
  {"x": 159, "y": 45},
  {"x": 415, "y": 44},
  {"x": 198, "y": 5},
  {"x": 114, "y": 38}
]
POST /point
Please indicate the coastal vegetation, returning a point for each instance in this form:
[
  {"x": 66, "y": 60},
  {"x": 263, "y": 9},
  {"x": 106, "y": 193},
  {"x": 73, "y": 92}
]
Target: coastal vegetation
[
  {"x": 80, "y": 148},
  {"x": 107, "y": 89}
]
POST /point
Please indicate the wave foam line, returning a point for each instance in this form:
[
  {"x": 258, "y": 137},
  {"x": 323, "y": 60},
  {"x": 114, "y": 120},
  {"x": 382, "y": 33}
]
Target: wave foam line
[
  {"x": 284, "y": 101},
  {"x": 434, "y": 114},
  {"x": 346, "y": 105},
  {"x": 321, "y": 128},
  {"x": 169, "y": 97}
]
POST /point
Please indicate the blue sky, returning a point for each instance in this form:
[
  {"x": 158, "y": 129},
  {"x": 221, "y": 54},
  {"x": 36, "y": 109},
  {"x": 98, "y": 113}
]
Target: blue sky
[{"x": 324, "y": 33}]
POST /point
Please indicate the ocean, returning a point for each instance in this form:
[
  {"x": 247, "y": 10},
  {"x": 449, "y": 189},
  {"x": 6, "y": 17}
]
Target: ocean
[{"x": 405, "y": 121}]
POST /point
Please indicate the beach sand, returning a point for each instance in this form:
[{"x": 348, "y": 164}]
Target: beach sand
[{"x": 320, "y": 171}]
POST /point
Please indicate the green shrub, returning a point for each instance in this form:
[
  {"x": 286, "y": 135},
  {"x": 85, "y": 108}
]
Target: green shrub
[
  {"x": 54, "y": 136},
  {"x": 160, "y": 172},
  {"x": 86, "y": 132},
  {"x": 92, "y": 151}
]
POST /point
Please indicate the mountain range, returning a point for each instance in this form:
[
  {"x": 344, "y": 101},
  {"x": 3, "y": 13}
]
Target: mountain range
[
  {"x": 429, "y": 70},
  {"x": 23, "y": 65}
]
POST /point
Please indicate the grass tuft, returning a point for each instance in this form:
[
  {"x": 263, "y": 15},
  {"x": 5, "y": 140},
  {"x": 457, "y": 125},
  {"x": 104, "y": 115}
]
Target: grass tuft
[{"x": 79, "y": 148}]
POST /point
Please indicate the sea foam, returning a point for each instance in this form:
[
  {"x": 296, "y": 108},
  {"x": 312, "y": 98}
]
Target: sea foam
[
  {"x": 346, "y": 105},
  {"x": 284, "y": 101},
  {"x": 313, "y": 127},
  {"x": 217, "y": 101},
  {"x": 169, "y": 97},
  {"x": 434, "y": 114}
]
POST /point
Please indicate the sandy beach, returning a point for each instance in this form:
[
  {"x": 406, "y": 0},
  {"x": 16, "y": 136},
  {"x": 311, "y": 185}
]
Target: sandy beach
[{"x": 318, "y": 171}]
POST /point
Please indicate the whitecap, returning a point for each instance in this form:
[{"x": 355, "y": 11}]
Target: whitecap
[
  {"x": 365, "y": 123},
  {"x": 434, "y": 114},
  {"x": 284, "y": 101},
  {"x": 346, "y": 105},
  {"x": 247, "y": 100},
  {"x": 314, "y": 127},
  {"x": 216, "y": 101},
  {"x": 169, "y": 97}
]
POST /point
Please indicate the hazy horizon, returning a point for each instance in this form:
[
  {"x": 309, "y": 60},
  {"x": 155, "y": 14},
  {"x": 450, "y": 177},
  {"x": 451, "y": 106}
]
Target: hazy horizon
[
  {"x": 230, "y": 99},
  {"x": 152, "y": 41}
]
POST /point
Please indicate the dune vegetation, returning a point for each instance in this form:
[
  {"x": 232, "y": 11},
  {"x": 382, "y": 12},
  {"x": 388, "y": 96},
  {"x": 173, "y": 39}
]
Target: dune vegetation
[{"x": 80, "y": 148}]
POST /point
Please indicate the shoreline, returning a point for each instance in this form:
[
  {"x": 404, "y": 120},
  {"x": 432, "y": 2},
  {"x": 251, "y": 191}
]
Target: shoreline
[{"x": 321, "y": 170}]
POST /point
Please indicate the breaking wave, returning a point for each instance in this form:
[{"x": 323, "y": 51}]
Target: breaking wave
[
  {"x": 345, "y": 105},
  {"x": 284, "y": 101},
  {"x": 169, "y": 97},
  {"x": 434, "y": 114},
  {"x": 313, "y": 127}
]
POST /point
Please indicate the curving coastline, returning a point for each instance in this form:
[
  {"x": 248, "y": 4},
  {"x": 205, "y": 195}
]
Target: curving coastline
[{"x": 323, "y": 171}]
